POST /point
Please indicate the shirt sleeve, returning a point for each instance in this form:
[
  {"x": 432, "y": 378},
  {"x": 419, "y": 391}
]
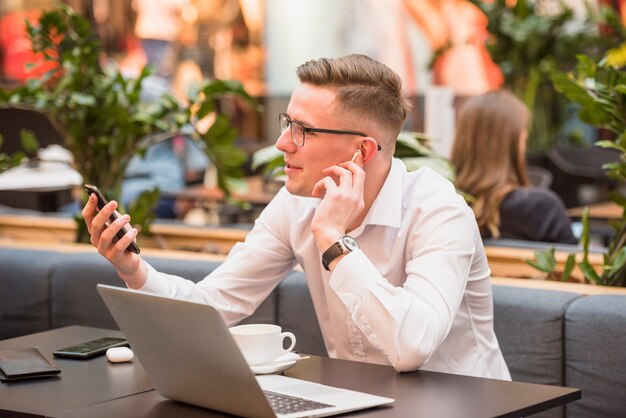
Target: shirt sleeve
[
  {"x": 409, "y": 322},
  {"x": 248, "y": 275}
]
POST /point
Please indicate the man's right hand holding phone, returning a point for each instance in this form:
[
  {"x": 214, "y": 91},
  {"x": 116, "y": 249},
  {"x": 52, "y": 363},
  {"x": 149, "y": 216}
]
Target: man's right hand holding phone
[{"x": 129, "y": 265}]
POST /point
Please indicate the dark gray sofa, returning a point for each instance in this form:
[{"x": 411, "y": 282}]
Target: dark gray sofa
[{"x": 549, "y": 337}]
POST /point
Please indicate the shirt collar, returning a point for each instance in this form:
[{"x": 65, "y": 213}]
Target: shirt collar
[{"x": 387, "y": 207}]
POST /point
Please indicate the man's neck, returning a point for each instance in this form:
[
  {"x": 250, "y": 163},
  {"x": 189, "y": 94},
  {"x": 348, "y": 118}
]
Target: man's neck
[{"x": 374, "y": 181}]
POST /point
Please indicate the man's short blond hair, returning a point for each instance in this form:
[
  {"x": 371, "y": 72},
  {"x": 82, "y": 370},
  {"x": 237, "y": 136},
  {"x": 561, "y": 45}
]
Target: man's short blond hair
[{"x": 365, "y": 88}]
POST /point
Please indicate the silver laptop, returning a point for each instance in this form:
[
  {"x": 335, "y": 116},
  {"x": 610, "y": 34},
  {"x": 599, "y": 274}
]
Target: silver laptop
[{"x": 190, "y": 356}]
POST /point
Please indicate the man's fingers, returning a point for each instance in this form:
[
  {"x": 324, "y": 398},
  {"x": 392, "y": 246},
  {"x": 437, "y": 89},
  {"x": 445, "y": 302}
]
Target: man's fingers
[
  {"x": 89, "y": 211},
  {"x": 99, "y": 222},
  {"x": 118, "y": 225},
  {"x": 105, "y": 213},
  {"x": 353, "y": 166},
  {"x": 345, "y": 176},
  {"x": 126, "y": 240},
  {"x": 358, "y": 175},
  {"x": 320, "y": 188}
]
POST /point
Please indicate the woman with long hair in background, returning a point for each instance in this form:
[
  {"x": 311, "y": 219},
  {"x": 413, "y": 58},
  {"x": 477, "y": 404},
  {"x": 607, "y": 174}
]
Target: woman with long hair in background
[{"x": 489, "y": 154}]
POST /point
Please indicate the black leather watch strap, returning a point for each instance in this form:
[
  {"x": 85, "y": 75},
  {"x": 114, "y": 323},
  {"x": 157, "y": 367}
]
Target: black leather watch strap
[
  {"x": 344, "y": 245},
  {"x": 331, "y": 253}
]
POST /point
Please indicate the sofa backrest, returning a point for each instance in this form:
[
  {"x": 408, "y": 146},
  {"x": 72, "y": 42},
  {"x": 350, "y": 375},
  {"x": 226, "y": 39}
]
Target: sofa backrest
[
  {"x": 595, "y": 348},
  {"x": 25, "y": 291},
  {"x": 44, "y": 289},
  {"x": 530, "y": 327},
  {"x": 295, "y": 313}
]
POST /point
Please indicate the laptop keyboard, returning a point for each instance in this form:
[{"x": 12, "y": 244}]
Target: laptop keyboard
[{"x": 285, "y": 404}]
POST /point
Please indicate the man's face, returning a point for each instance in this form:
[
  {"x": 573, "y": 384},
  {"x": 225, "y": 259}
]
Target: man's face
[{"x": 315, "y": 107}]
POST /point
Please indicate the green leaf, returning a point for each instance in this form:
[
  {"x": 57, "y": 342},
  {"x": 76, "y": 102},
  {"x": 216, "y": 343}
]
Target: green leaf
[
  {"x": 589, "y": 271},
  {"x": 586, "y": 67},
  {"x": 28, "y": 141},
  {"x": 206, "y": 107},
  {"x": 570, "y": 263},
  {"x": 537, "y": 266},
  {"x": 584, "y": 238},
  {"x": 618, "y": 199},
  {"x": 142, "y": 208},
  {"x": 619, "y": 260},
  {"x": 441, "y": 166},
  {"x": 83, "y": 99},
  {"x": 610, "y": 144},
  {"x": 265, "y": 156},
  {"x": 544, "y": 260},
  {"x": 410, "y": 144}
]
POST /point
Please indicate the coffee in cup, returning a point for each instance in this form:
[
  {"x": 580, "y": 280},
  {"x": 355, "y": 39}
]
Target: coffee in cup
[{"x": 261, "y": 343}]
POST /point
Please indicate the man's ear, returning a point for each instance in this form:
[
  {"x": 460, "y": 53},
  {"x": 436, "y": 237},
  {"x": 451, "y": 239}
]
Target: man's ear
[{"x": 369, "y": 148}]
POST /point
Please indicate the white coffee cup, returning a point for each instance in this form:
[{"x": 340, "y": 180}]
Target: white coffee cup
[{"x": 261, "y": 343}]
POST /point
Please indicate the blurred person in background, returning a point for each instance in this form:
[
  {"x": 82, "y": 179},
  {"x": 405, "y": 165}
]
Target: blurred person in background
[
  {"x": 158, "y": 26},
  {"x": 456, "y": 31},
  {"x": 489, "y": 154},
  {"x": 173, "y": 162}
]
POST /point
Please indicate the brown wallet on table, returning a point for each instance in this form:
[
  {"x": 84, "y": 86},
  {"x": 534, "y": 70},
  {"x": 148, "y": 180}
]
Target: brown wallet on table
[{"x": 25, "y": 363}]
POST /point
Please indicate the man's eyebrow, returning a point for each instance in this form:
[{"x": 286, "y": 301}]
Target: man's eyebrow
[{"x": 304, "y": 123}]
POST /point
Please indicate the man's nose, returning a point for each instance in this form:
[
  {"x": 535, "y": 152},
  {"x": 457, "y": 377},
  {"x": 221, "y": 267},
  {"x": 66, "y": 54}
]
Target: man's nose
[{"x": 285, "y": 143}]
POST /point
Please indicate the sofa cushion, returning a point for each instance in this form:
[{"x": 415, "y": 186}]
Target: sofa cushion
[
  {"x": 295, "y": 308},
  {"x": 529, "y": 325},
  {"x": 196, "y": 270},
  {"x": 596, "y": 355},
  {"x": 74, "y": 298},
  {"x": 24, "y": 291}
]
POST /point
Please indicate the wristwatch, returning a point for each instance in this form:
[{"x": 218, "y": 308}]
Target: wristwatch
[{"x": 344, "y": 245}]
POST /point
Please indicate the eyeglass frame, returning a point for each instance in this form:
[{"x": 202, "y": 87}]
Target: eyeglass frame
[{"x": 306, "y": 129}]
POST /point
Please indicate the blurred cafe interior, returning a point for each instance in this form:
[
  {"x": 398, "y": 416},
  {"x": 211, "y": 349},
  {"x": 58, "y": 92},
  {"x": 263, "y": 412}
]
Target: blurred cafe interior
[
  {"x": 171, "y": 108},
  {"x": 441, "y": 50},
  {"x": 445, "y": 52}
]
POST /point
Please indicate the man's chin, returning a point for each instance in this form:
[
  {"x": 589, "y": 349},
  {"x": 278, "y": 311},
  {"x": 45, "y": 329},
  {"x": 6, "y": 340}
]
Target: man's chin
[{"x": 297, "y": 190}]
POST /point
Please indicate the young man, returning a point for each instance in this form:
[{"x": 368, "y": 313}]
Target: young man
[{"x": 394, "y": 260}]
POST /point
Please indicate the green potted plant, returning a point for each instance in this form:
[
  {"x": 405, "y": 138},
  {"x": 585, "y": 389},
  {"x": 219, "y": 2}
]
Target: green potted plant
[
  {"x": 102, "y": 116},
  {"x": 530, "y": 40},
  {"x": 600, "y": 90},
  {"x": 29, "y": 145}
]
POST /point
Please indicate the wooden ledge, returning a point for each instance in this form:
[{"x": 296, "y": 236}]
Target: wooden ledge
[
  {"x": 218, "y": 240},
  {"x": 509, "y": 262},
  {"x": 87, "y": 248},
  {"x": 580, "y": 288}
]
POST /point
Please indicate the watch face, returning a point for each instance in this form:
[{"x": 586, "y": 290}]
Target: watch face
[{"x": 350, "y": 243}]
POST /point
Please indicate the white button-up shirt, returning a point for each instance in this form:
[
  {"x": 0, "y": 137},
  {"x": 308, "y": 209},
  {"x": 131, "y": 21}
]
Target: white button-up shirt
[{"x": 416, "y": 295}]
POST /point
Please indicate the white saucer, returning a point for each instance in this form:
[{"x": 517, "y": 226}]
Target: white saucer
[{"x": 282, "y": 363}]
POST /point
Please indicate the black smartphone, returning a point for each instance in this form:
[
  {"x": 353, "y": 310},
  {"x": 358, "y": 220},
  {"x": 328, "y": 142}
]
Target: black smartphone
[
  {"x": 102, "y": 201},
  {"x": 90, "y": 349}
]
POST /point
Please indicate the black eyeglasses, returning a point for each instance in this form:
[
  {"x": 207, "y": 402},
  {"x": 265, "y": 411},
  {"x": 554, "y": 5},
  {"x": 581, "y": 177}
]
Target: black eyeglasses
[{"x": 298, "y": 130}]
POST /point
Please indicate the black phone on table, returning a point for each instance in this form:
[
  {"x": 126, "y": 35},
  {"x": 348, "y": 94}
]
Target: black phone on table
[
  {"x": 102, "y": 201},
  {"x": 90, "y": 349}
]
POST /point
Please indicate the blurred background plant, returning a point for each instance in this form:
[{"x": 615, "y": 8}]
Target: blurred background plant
[
  {"x": 531, "y": 39},
  {"x": 599, "y": 88},
  {"x": 29, "y": 145},
  {"x": 103, "y": 119}
]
